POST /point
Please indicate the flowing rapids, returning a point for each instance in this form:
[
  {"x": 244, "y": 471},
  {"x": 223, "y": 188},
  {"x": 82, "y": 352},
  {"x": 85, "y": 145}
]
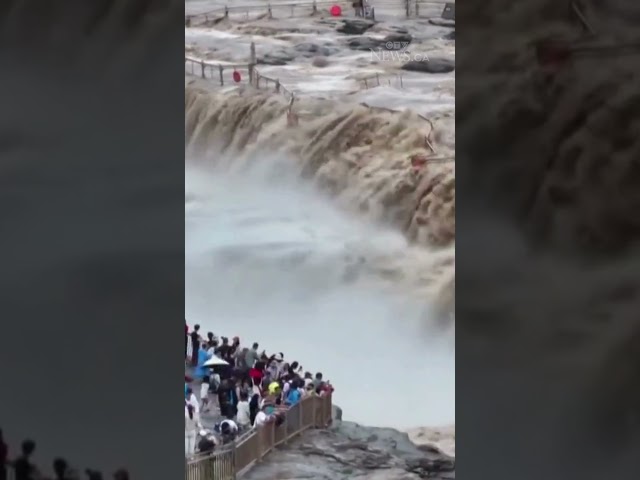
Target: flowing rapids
[{"x": 274, "y": 262}]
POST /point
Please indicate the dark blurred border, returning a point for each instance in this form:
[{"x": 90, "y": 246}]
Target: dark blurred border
[
  {"x": 547, "y": 288},
  {"x": 92, "y": 233}
]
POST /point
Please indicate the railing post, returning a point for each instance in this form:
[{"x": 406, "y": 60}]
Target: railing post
[
  {"x": 202, "y": 68},
  {"x": 252, "y": 62},
  {"x": 373, "y": 13},
  {"x": 417, "y": 9},
  {"x": 407, "y": 7},
  {"x": 285, "y": 427},
  {"x": 300, "y": 413},
  {"x": 315, "y": 7},
  {"x": 221, "y": 68},
  {"x": 232, "y": 468},
  {"x": 252, "y": 53},
  {"x": 272, "y": 436}
]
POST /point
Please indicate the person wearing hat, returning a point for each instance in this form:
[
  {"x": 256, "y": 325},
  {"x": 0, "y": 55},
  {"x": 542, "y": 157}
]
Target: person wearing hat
[
  {"x": 280, "y": 365},
  {"x": 274, "y": 388}
]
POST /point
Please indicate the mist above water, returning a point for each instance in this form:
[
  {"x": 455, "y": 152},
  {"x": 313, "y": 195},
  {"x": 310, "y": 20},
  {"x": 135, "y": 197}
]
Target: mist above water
[{"x": 274, "y": 262}]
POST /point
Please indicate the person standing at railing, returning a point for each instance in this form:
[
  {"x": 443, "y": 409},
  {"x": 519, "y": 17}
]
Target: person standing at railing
[
  {"x": 195, "y": 345},
  {"x": 186, "y": 338},
  {"x": 191, "y": 427},
  {"x": 207, "y": 442},
  {"x": 235, "y": 350},
  {"x": 358, "y": 6},
  {"x": 254, "y": 406},
  {"x": 244, "y": 411},
  {"x": 294, "y": 395},
  {"x": 252, "y": 356},
  {"x": 262, "y": 418},
  {"x": 228, "y": 430},
  {"x": 23, "y": 468},
  {"x": 318, "y": 382},
  {"x": 61, "y": 469},
  {"x": 223, "y": 350},
  {"x": 309, "y": 390},
  {"x": 211, "y": 340},
  {"x": 192, "y": 400},
  {"x": 201, "y": 371},
  {"x": 204, "y": 394}
]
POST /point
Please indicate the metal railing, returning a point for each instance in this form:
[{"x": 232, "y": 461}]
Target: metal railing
[
  {"x": 275, "y": 82},
  {"x": 294, "y": 9},
  {"x": 378, "y": 79},
  {"x": 417, "y": 8},
  {"x": 215, "y": 71},
  {"x": 229, "y": 463},
  {"x": 428, "y": 9}
]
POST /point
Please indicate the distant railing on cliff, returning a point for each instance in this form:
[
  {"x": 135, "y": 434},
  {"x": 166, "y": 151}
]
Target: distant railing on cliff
[
  {"x": 229, "y": 463},
  {"x": 411, "y": 8},
  {"x": 295, "y": 9},
  {"x": 378, "y": 79},
  {"x": 215, "y": 71}
]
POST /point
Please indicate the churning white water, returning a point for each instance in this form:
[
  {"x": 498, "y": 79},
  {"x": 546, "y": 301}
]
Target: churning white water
[{"x": 273, "y": 262}]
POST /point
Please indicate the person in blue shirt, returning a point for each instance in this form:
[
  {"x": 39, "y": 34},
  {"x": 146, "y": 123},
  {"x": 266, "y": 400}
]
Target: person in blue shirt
[
  {"x": 203, "y": 356},
  {"x": 293, "y": 395}
]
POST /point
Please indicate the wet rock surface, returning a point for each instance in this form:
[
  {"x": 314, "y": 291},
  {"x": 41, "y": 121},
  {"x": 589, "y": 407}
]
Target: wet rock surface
[
  {"x": 393, "y": 41},
  {"x": 431, "y": 65},
  {"x": 354, "y": 27},
  {"x": 397, "y": 41},
  {"x": 365, "y": 44},
  {"x": 442, "y": 22},
  {"x": 312, "y": 49},
  {"x": 349, "y": 451},
  {"x": 278, "y": 57}
]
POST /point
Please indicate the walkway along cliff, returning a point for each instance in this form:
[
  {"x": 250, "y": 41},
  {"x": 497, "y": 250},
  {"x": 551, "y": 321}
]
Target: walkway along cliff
[{"x": 230, "y": 463}]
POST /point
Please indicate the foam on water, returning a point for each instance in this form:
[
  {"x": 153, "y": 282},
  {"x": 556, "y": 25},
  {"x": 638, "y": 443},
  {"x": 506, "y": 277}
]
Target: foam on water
[{"x": 271, "y": 263}]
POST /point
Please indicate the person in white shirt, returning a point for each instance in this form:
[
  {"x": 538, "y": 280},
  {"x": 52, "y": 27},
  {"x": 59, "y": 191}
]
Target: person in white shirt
[
  {"x": 279, "y": 365},
  {"x": 244, "y": 412},
  {"x": 228, "y": 430},
  {"x": 193, "y": 400},
  {"x": 228, "y": 426},
  {"x": 191, "y": 428},
  {"x": 262, "y": 417},
  {"x": 204, "y": 394}
]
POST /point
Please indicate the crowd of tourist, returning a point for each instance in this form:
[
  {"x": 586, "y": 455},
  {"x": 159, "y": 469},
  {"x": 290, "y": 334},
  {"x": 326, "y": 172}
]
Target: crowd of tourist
[
  {"x": 22, "y": 467},
  {"x": 251, "y": 389}
]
